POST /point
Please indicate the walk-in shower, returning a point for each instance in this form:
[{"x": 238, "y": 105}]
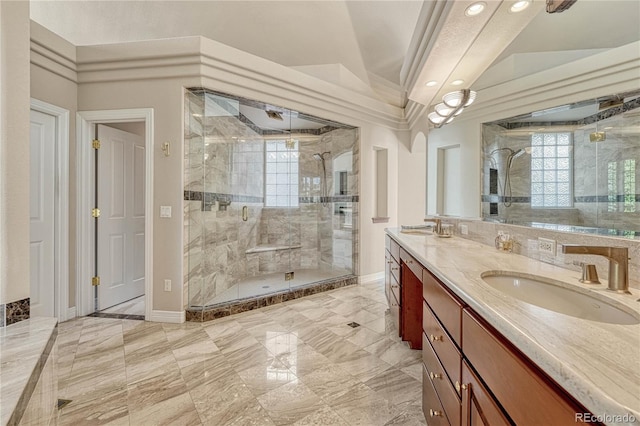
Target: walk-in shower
[{"x": 271, "y": 201}]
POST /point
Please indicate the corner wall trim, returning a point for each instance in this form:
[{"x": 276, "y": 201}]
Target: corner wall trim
[
  {"x": 371, "y": 277},
  {"x": 175, "y": 317}
]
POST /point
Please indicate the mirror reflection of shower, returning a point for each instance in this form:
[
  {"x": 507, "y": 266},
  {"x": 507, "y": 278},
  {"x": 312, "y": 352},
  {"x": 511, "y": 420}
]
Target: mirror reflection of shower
[
  {"x": 506, "y": 185},
  {"x": 323, "y": 185}
]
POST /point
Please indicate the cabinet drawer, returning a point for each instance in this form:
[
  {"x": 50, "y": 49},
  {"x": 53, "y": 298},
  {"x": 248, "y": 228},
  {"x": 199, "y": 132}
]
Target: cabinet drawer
[
  {"x": 478, "y": 406},
  {"x": 445, "y": 305},
  {"x": 394, "y": 308},
  {"x": 395, "y": 250},
  {"x": 447, "y": 394},
  {"x": 431, "y": 407},
  {"x": 413, "y": 264},
  {"x": 387, "y": 242},
  {"x": 526, "y": 393},
  {"x": 395, "y": 269},
  {"x": 395, "y": 290},
  {"x": 442, "y": 345}
]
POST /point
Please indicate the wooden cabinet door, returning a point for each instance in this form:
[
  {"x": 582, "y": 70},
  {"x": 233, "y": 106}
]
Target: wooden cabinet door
[
  {"x": 478, "y": 406},
  {"x": 387, "y": 276},
  {"x": 411, "y": 311}
]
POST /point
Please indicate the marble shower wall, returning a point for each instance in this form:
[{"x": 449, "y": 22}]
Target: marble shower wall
[
  {"x": 599, "y": 177},
  {"x": 224, "y": 172}
]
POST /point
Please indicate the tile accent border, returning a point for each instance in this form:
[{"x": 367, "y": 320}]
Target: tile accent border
[
  {"x": 27, "y": 392},
  {"x": 117, "y": 316},
  {"x": 218, "y": 311},
  {"x": 13, "y": 312}
]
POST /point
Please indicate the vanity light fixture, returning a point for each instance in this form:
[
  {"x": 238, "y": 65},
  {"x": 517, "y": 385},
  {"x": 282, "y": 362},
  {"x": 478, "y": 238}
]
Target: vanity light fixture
[
  {"x": 452, "y": 105},
  {"x": 475, "y": 9},
  {"x": 519, "y": 6}
]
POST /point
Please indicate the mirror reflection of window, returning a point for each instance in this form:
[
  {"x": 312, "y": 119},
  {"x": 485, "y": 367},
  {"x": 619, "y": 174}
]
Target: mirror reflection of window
[{"x": 551, "y": 165}]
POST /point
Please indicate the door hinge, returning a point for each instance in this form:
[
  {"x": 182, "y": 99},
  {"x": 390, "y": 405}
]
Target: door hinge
[
  {"x": 95, "y": 212},
  {"x": 95, "y": 281},
  {"x": 95, "y": 144}
]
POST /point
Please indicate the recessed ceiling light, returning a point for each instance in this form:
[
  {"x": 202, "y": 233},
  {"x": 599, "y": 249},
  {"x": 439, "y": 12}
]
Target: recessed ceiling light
[
  {"x": 475, "y": 8},
  {"x": 431, "y": 83},
  {"x": 519, "y": 6},
  {"x": 457, "y": 82}
]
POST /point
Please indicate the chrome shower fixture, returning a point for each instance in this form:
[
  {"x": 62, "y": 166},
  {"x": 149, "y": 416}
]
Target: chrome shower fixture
[{"x": 275, "y": 115}]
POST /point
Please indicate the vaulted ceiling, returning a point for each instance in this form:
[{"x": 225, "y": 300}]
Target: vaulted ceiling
[{"x": 398, "y": 45}]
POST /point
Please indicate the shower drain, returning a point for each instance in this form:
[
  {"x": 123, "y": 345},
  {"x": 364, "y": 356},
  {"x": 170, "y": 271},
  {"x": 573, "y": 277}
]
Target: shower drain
[
  {"x": 353, "y": 324},
  {"x": 266, "y": 286}
]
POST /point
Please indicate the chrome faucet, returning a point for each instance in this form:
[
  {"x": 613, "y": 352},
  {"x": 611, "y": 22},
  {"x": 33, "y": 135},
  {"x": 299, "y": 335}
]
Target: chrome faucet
[
  {"x": 618, "y": 263},
  {"x": 437, "y": 224}
]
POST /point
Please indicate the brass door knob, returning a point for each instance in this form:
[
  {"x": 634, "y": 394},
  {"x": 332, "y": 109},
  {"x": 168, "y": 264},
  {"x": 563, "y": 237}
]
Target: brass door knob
[
  {"x": 435, "y": 338},
  {"x": 435, "y": 376}
]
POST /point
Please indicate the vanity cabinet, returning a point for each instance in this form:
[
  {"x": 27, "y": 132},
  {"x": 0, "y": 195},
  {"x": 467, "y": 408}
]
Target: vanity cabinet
[
  {"x": 392, "y": 281},
  {"x": 473, "y": 375},
  {"x": 403, "y": 289}
]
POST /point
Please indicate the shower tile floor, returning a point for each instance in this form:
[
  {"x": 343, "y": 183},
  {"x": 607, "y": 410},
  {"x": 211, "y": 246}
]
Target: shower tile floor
[
  {"x": 273, "y": 283},
  {"x": 296, "y": 363}
]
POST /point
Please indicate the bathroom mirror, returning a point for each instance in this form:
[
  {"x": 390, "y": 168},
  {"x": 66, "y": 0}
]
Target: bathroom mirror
[{"x": 574, "y": 167}]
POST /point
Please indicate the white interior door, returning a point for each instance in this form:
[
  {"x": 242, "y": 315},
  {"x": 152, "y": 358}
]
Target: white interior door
[
  {"x": 121, "y": 200},
  {"x": 42, "y": 213}
]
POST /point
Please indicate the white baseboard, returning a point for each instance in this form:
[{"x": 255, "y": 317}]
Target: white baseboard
[
  {"x": 371, "y": 277},
  {"x": 71, "y": 314},
  {"x": 176, "y": 317}
]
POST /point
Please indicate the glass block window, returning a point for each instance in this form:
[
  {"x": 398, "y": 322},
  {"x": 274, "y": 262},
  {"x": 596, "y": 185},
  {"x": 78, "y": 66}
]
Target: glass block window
[
  {"x": 551, "y": 165},
  {"x": 281, "y": 173},
  {"x": 629, "y": 185},
  {"x": 612, "y": 186}
]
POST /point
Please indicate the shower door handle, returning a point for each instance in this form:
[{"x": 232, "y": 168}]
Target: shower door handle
[{"x": 245, "y": 213}]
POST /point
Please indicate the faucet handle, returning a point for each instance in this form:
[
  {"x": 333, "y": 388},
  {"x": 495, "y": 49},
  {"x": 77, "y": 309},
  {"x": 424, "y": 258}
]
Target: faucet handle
[{"x": 589, "y": 274}]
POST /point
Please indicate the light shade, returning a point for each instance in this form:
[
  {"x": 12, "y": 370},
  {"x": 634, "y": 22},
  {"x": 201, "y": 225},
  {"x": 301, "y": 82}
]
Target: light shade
[
  {"x": 435, "y": 118},
  {"x": 445, "y": 111},
  {"x": 454, "y": 99}
]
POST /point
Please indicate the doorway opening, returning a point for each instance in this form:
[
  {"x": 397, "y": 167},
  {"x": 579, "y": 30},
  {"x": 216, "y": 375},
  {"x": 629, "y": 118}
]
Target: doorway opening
[{"x": 115, "y": 219}]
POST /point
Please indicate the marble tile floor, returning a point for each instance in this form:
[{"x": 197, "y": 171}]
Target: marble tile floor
[
  {"x": 130, "y": 307},
  {"x": 273, "y": 283},
  {"x": 295, "y": 363}
]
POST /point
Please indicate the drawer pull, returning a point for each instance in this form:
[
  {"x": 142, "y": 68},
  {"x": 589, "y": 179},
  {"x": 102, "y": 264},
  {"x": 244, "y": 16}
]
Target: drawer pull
[
  {"x": 435, "y": 413},
  {"x": 395, "y": 286},
  {"x": 389, "y": 262},
  {"x": 435, "y": 376},
  {"x": 410, "y": 261},
  {"x": 436, "y": 338},
  {"x": 394, "y": 269},
  {"x": 394, "y": 304},
  {"x": 460, "y": 386}
]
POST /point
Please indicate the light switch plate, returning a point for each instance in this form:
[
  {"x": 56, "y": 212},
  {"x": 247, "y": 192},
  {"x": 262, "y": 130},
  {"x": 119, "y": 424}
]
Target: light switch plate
[
  {"x": 547, "y": 246},
  {"x": 165, "y": 211}
]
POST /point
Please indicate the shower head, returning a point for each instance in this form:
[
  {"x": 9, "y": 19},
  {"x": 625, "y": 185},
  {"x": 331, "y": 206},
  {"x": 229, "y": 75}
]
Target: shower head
[
  {"x": 518, "y": 153},
  {"x": 319, "y": 157}
]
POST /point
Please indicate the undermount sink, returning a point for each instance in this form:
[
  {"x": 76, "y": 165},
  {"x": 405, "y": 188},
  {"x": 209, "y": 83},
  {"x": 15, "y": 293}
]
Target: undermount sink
[{"x": 547, "y": 294}]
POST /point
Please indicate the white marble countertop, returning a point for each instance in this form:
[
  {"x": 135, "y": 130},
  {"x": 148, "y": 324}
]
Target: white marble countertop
[
  {"x": 21, "y": 348},
  {"x": 598, "y": 363}
]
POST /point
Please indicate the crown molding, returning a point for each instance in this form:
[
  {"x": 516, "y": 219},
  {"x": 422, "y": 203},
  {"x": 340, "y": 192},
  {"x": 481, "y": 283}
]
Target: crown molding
[{"x": 224, "y": 68}]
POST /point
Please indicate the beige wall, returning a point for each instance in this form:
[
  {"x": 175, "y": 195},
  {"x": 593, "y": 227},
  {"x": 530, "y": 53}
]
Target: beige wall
[
  {"x": 57, "y": 85},
  {"x": 14, "y": 151}
]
